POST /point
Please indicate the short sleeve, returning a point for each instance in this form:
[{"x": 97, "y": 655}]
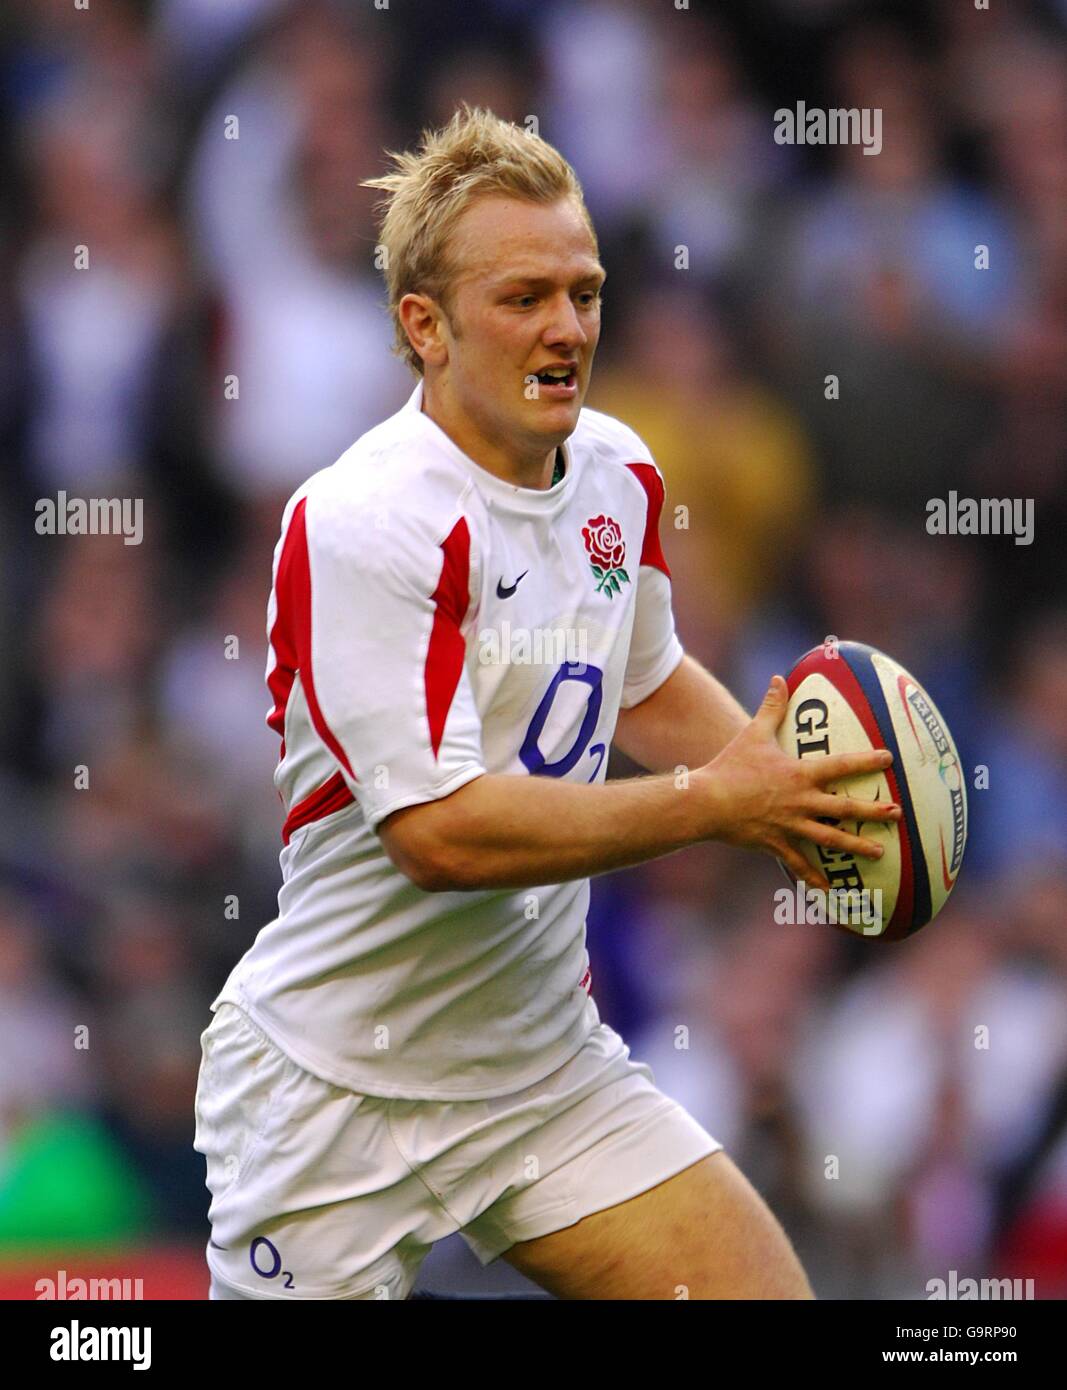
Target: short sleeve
[
  {"x": 655, "y": 650},
  {"x": 384, "y": 668}
]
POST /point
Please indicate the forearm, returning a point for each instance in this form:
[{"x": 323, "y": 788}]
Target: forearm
[
  {"x": 687, "y": 722},
  {"x": 518, "y": 832}
]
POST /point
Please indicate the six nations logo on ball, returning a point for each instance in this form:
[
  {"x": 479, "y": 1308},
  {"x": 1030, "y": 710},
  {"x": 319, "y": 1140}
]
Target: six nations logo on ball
[{"x": 606, "y": 550}]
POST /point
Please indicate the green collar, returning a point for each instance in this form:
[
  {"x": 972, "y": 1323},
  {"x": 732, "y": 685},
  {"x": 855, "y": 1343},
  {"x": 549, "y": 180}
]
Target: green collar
[{"x": 560, "y": 468}]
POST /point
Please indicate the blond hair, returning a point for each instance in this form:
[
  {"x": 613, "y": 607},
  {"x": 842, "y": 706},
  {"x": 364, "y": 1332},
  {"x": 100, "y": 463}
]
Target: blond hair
[{"x": 429, "y": 190}]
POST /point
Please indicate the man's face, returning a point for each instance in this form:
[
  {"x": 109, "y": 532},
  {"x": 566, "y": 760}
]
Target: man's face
[{"x": 525, "y": 297}]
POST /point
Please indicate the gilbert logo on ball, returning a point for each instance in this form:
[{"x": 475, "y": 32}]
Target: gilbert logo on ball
[{"x": 848, "y": 698}]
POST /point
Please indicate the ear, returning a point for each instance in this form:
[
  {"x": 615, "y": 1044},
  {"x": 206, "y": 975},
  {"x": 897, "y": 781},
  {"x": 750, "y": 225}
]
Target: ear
[{"x": 423, "y": 322}]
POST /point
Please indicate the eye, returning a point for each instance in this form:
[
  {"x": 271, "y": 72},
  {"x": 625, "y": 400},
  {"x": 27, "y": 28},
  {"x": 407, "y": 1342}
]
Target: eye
[
  {"x": 524, "y": 301},
  {"x": 590, "y": 297}
]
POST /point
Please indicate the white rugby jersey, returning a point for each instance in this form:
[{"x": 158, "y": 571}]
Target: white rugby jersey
[{"x": 429, "y": 623}]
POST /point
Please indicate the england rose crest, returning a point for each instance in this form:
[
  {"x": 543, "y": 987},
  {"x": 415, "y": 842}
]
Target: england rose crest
[{"x": 606, "y": 550}]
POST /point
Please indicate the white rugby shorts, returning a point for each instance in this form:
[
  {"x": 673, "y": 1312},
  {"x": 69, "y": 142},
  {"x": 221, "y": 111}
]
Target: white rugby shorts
[{"x": 321, "y": 1192}]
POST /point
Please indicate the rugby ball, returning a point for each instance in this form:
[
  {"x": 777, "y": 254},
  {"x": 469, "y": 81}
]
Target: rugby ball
[{"x": 845, "y": 697}]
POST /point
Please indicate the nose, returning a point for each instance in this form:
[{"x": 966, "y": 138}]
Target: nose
[{"x": 564, "y": 331}]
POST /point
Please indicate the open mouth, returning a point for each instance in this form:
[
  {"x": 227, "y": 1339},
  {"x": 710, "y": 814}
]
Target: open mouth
[{"x": 558, "y": 377}]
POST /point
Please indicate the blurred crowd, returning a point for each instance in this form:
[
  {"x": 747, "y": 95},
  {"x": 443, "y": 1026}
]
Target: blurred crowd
[{"x": 804, "y": 338}]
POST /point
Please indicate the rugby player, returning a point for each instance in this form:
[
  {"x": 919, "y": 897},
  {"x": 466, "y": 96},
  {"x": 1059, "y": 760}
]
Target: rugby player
[{"x": 469, "y": 608}]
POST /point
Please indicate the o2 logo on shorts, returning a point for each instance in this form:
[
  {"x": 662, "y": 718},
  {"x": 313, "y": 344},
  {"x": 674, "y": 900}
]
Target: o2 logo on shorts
[
  {"x": 532, "y": 757},
  {"x": 260, "y": 1252}
]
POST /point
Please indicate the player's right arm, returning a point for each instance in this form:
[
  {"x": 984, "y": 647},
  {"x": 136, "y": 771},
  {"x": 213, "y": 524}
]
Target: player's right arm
[
  {"x": 376, "y": 616},
  {"x": 517, "y": 832}
]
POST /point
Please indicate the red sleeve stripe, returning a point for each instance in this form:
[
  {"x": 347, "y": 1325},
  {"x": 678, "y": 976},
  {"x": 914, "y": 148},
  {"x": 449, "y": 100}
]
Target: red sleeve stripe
[
  {"x": 332, "y": 796},
  {"x": 651, "y": 549},
  {"x": 446, "y": 652},
  {"x": 291, "y": 636},
  {"x": 280, "y": 680}
]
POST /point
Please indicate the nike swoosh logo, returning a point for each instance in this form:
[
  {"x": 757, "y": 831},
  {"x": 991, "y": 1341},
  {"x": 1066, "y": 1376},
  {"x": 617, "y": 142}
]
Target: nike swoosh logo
[
  {"x": 946, "y": 878},
  {"x": 502, "y": 592},
  {"x": 217, "y": 1247}
]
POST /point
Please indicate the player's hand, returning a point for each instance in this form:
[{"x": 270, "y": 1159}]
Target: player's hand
[{"x": 759, "y": 797}]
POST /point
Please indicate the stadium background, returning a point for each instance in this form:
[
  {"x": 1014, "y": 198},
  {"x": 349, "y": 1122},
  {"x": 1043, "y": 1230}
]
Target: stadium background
[{"x": 806, "y": 517}]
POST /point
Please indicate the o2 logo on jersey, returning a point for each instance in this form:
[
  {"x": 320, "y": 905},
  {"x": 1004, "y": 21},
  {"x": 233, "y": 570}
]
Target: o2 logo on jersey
[
  {"x": 530, "y": 753},
  {"x": 267, "y": 1262}
]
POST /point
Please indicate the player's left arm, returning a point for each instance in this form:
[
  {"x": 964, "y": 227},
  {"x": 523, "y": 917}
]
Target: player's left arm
[
  {"x": 673, "y": 713},
  {"x": 685, "y": 722}
]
